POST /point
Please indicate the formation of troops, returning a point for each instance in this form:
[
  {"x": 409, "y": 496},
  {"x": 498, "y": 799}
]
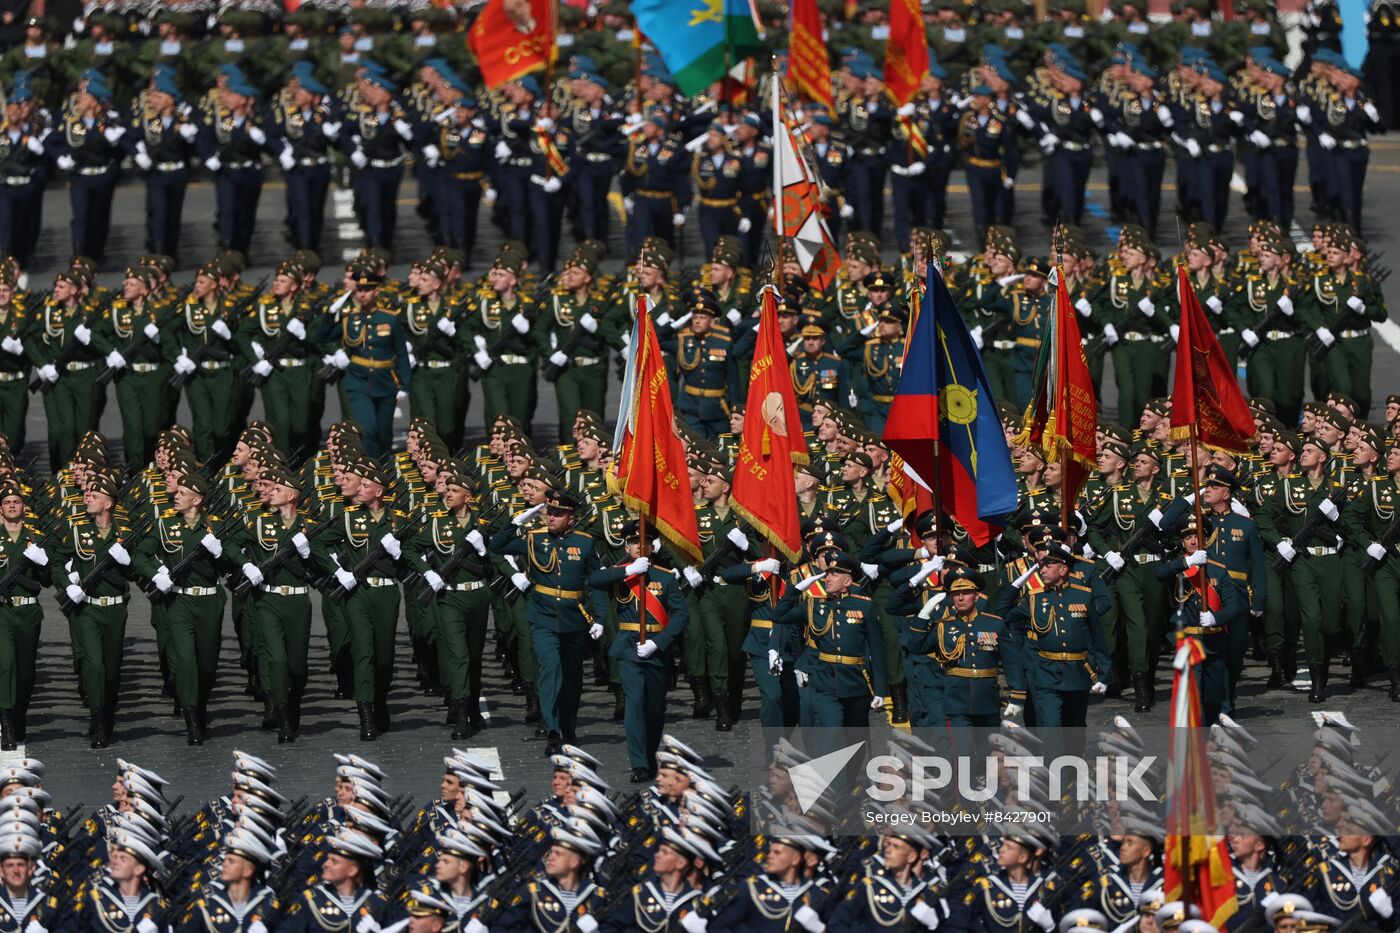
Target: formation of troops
[
  {"x": 1311, "y": 852},
  {"x": 357, "y": 100}
]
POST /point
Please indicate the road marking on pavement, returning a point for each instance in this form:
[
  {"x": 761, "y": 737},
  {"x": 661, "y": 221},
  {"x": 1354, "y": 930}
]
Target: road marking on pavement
[
  {"x": 485, "y": 708},
  {"x": 343, "y": 204},
  {"x": 349, "y": 231}
]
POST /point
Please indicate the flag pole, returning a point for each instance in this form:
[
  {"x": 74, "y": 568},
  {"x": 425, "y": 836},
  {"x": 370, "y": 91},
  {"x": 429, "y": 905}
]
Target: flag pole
[
  {"x": 1066, "y": 506},
  {"x": 641, "y": 584},
  {"x": 935, "y": 482}
]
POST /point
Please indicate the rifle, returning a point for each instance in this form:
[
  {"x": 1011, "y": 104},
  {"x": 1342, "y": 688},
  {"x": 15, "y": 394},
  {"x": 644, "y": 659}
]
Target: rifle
[
  {"x": 105, "y": 565},
  {"x": 372, "y": 558},
  {"x": 70, "y": 350},
  {"x": 177, "y": 380},
  {"x": 709, "y": 566},
  {"x": 17, "y": 576},
  {"x": 1388, "y": 540},
  {"x": 1136, "y": 540},
  {"x": 283, "y": 554},
  {"x": 138, "y": 341},
  {"x": 285, "y": 338},
  {"x": 578, "y": 335},
  {"x": 1315, "y": 521},
  {"x": 196, "y": 553},
  {"x": 508, "y": 332},
  {"x": 1266, "y": 324},
  {"x": 464, "y": 555}
]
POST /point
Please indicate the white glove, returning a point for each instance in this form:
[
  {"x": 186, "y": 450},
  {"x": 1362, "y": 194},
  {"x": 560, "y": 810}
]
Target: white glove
[
  {"x": 1011, "y": 709},
  {"x": 1371, "y": 112},
  {"x": 83, "y": 334},
  {"x": 1196, "y": 559},
  {"x": 476, "y": 926},
  {"x": 877, "y": 703},
  {"x": 212, "y": 544},
  {"x": 1260, "y": 140},
  {"x": 367, "y": 924},
  {"x": 66, "y": 163},
  {"x": 558, "y": 358},
  {"x": 1215, "y": 304},
  {"x": 1083, "y": 307},
  {"x": 807, "y": 583},
  {"x": 1021, "y": 580},
  {"x": 37, "y": 555},
  {"x": 640, "y": 565},
  {"x": 691, "y": 923},
  {"x": 359, "y": 159},
  {"x": 400, "y": 126},
  {"x": 1008, "y": 182},
  {"x": 48, "y": 372},
  {"x": 12, "y": 345},
  {"x": 588, "y": 322},
  {"x": 1175, "y": 331},
  {"x": 392, "y": 546},
  {"x": 520, "y": 323},
  {"x": 745, "y": 225},
  {"x": 646, "y": 649},
  {"x": 1024, "y": 118},
  {"x": 767, "y": 565},
  {"x": 1111, "y": 333},
  {"x": 1374, "y": 549},
  {"x": 586, "y": 923},
  {"x": 488, "y": 196},
  {"x": 1356, "y": 304},
  {"x": 925, "y": 914},
  {"x": 120, "y": 554},
  {"x": 847, "y": 212},
  {"x": 692, "y": 576},
  {"x": 147, "y": 925},
  {"x": 976, "y": 335},
  {"x": 552, "y": 184},
  {"x": 546, "y": 124},
  {"x": 1038, "y": 915},
  {"x": 346, "y": 579},
  {"x": 1285, "y": 304},
  {"x": 340, "y": 359},
  {"x": 477, "y": 542},
  {"x": 1238, "y": 508},
  {"x": 162, "y": 580},
  {"x": 1285, "y": 550},
  {"x": 925, "y": 571},
  {"x": 286, "y": 160},
  {"x": 1193, "y": 148},
  {"x": 1099, "y": 688},
  {"x": 114, "y": 134},
  {"x": 1208, "y": 619},
  {"x": 482, "y": 360},
  {"x": 526, "y": 515},
  {"x": 678, "y": 220},
  {"x": 520, "y": 581},
  {"x": 1115, "y": 560},
  {"x": 895, "y": 526},
  {"x": 75, "y": 593},
  {"x": 116, "y": 360},
  {"x": 257, "y": 926},
  {"x": 257, "y": 135},
  {"x": 1327, "y": 140},
  {"x": 1049, "y": 141},
  {"x": 252, "y": 573},
  {"x": 1096, "y": 115},
  {"x": 1236, "y": 117},
  {"x": 1325, "y": 336},
  {"x": 733, "y": 316},
  {"x": 213, "y": 164},
  {"x": 1155, "y": 517},
  {"x": 502, "y": 151},
  {"x": 1006, "y": 280},
  {"x": 221, "y": 328},
  {"x": 188, "y": 131},
  {"x": 1328, "y": 509},
  {"x": 434, "y": 580},
  {"x": 917, "y": 169},
  {"x": 35, "y": 145},
  {"x": 738, "y": 539},
  {"x": 807, "y": 918},
  {"x": 1380, "y": 898},
  {"x": 775, "y": 662},
  {"x": 1250, "y": 337},
  {"x": 143, "y": 161},
  {"x": 595, "y": 631},
  {"x": 871, "y": 570},
  {"x": 869, "y": 329},
  {"x": 628, "y": 203},
  {"x": 1164, "y": 116},
  {"x": 1304, "y": 114},
  {"x": 152, "y": 332},
  {"x": 1146, "y": 306},
  {"x": 263, "y": 368},
  {"x": 447, "y": 326},
  {"x": 302, "y": 543}
]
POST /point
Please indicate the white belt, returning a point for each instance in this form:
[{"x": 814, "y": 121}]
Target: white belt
[
  {"x": 91, "y": 170},
  {"x": 1277, "y": 334},
  {"x": 18, "y": 181},
  {"x": 286, "y": 590},
  {"x": 587, "y": 360},
  {"x": 1353, "y": 144},
  {"x": 1133, "y": 336},
  {"x": 1354, "y": 333},
  {"x": 386, "y": 163},
  {"x": 1149, "y": 146},
  {"x": 291, "y": 362},
  {"x": 437, "y": 364},
  {"x": 380, "y": 581},
  {"x": 10, "y": 377},
  {"x": 234, "y": 166},
  {"x": 213, "y": 364},
  {"x": 513, "y": 358},
  {"x": 1321, "y": 551},
  {"x": 1073, "y": 147},
  {"x": 521, "y": 161},
  {"x": 1215, "y": 148},
  {"x": 168, "y": 166},
  {"x": 464, "y": 587},
  {"x": 312, "y": 163},
  {"x": 1145, "y": 558},
  {"x": 196, "y": 590},
  {"x": 597, "y": 157},
  {"x": 1003, "y": 344},
  {"x": 144, "y": 367},
  {"x": 23, "y": 600},
  {"x": 79, "y": 366},
  {"x": 106, "y": 600}
]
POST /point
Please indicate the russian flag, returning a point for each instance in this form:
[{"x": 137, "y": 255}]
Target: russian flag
[{"x": 943, "y": 421}]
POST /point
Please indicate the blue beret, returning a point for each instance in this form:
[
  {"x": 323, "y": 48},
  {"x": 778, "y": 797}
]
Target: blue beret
[
  {"x": 166, "y": 85},
  {"x": 163, "y": 68},
  {"x": 992, "y": 50},
  {"x": 1073, "y": 69},
  {"x": 455, "y": 82},
  {"x": 1192, "y": 53},
  {"x": 983, "y": 90},
  {"x": 1003, "y": 70},
  {"x": 938, "y": 71},
  {"x": 373, "y": 67},
  {"x": 751, "y": 119},
  {"x": 22, "y": 90},
  {"x": 98, "y": 88},
  {"x": 382, "y": 81},
  {"x": 232, "y": 72},
  {"x": 530, "y": 83},
  {"x": 1211, "y": 70},
  {"x": 240, "y": 86},
  {"x": 312, "y": 86},
  {"x": 438, "y": 64},
  {"x": 1273, "y": 66},
  {"x": 658, "y": 118},
  {"x": 1141, "y": 66},
  {"x": 822, "y": 118},
  {"x": 584, "y": 63}
]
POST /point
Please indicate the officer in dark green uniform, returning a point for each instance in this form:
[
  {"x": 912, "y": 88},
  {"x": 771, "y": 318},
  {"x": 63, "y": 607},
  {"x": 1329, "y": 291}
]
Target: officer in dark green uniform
[
  {"x": 644, "y": 597},
  {"x": 877, "y": 358},
  {"x": 578, "y": 335},
  {"x": 138, "y": 318},
  {"x": 558, "y": 562},
  {"x": 21, "y": 616},
  {"x": 968, "y": 643},
  {"x": 17, "y": 325},
  {"x": 199, "y": 327},
  {"x": 705, "y": 360},
  {"x": 372, "y": 350},
  {"x": 1367, "y": 517},
  {"x": 72, "y": 406},
  {"x": 275, "y": 336},
  {"x": 502, "y": 332}
]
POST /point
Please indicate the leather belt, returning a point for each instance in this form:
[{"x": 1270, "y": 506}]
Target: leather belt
[
  {"x": 1321, "y": 551},
  {"x": 971, "y": 673},
  {"x": 1353, "y": 144},
  {"x": 1133, "y": 336},
  {"x": 521, "y": 161},
  {"x": 235, "y": 166},
  {"x": 1027, "y": 342},
  {"x": 597, "y": 157},
  {"x": 1203, "y": 630},
  {"x": 1064, "y": 655},
  {"x": 368, "y": 363},
  {"x": 144, "y": 367},
  {"x": 1354, "y": 333},
  {"x": 871, "y": 151},
  {"x": 92, "y": 170},
  {"x": 654, "y": 194},
  {"x": 882, "y": 399},
  {"x": 849, "y": 660},
  {"x": 312, "y": 163},
  {"x": 212, "y": 365},
  {"x": 632, "y": 627},
  {"x": 1073, "y": 147},
  {"x": 464, "y": 587},
  {"x": 1238, "y": 575},
  {"x": 1003, "y": 344},
  {"x": 705, "y": 393},
  {"x": 386, "y": 163},
  {"x": 286, "y": 590},
  {"x": 587, "y": 360},
  {"x": 196, "y": 590},
  {"x": 761, "y": 623},
  {"x": 1278, "y": 334},
  {"x": 380, "y": 582},
  {"x": 979, "y": 162},
  {"x": 106, "y": 600},
  {"x": 23, "y": 600},
  {"x": 169, "y": 166},
  {"x": 558, "y": 593},
  {"x": 718, "y": 202},
  {"x": 469, "y": 176},
  {"x": 513, "y": 359}
]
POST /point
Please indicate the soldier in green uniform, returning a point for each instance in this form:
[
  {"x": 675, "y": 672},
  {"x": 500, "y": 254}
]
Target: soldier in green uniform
[
  {"x": 1349, "y": 302},
  {"x": 1138, "y": 323},
  {"x": 817, "y": 373},
  {"x": 578, "y": 333},
  {"x": 559, "y": 559},
  {"x": 461, "y": 598},
  {"x": 506, "y": 359},
  {"x": 705, "y": 363},
  {"x": 1368, "y": 515},
  {"x": 1025, "y": 305},
  {"x": 195, "y": 610},
  {"x": 1280, "y": 297},
  {"x": 968, "y": 643},
  {"x": 877, "y": 359},
  {"x": 1314, "y": 566},
  {"x": 17, "y": 326},
  {"x": 435, "y": 323},
  {"x": 368, "y": 528},
  {"x": 97, "y": 621},
  {"x": 21, "y": 616},
  {"x": 137, "y": 320},
  {"x": 372, "y": 350},
  {"x": 643, "y": 596},
  {"x": 73, "y": 404},
  {"x": 199, "y": 326},
  {"x": 276, "y": 336}
]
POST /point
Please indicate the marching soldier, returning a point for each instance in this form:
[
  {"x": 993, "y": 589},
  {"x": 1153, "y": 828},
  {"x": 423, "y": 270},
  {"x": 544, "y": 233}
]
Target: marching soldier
[
  {"x": 345, "y": 888},
  {"x": 972, "y": 646},
  {"x": 89, "y": 149},
  {"x": 502, "y": 331},
  {"x": 437, "y": 326},
  {"x": 708, "y": 375},
  {"x": 124, "y": 896},
  {"x": 24, "y": 170},
  {"x": 133, "y": 329},
  {"x": 161, "y": 139},
  {"x": 307, "y": 125},
  {"x": 574, "y": 328},
  {"x": 717, "y": 172},
  {"x": 818, "y": 375},
  {"x": 239, "y": 895},
  {"x": 597, "y": 144},
  {"x": 201, "y": 347},
  {"x": 17, "y": 324},
  {"x": 231, "y": 144},
  {"x": 277, "y": 336},
  {"x": 461, "y": 137},
  {"x": 21, "y": 616},
  {"x": 376, "y": 138},
  {"x": 653, "y": 183}
]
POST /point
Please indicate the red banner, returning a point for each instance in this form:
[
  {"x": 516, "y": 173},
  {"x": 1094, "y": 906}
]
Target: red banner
[
  {"x": 764, "y": 491},
  {"x": 906, "y": 51},
  {"x": 1205, "y": 392},
  {"x": 512, "y": 39},
  {"x": 808, "y": 64}
]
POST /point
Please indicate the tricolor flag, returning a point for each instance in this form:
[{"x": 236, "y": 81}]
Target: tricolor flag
[
  {"x": 943, "y": 421},
  {"x": 797, "y": 199}
]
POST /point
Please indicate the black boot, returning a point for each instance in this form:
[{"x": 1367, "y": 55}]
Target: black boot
[
  {"x": 619, "y": 705},
  {"x": 704, "y": 703},
  {"x": 1318, "y": 673},
  {"x": 640, "y": 775},
  {"x": 269, "y": 721},
  {"x": 192, "y": 734},
  {"x": 284, "y": 731},
  {"x": 722, "y": 721},
  {"x": 600, "y": 669},
  {"x": 99, "y": 729},
  {"x": 20, "y": 714},
  {"x": 366, "y": 714},
  {"x": 555, "y": 744},
  {"x": 899, "y": 703},
  {"x": 1394, "y": 686},
  {"x": 293, "y": 718},
  {"x": 1357, "y": 680},
  {"x": 1275, "y": 671},
  {"x": 1142, "y": 689},
  {"x": 461, "y": 726},
  {"x": 381, "y": 716},
  {"x": 8, "y": 741},
  {"x": 532, "y": 707}
]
